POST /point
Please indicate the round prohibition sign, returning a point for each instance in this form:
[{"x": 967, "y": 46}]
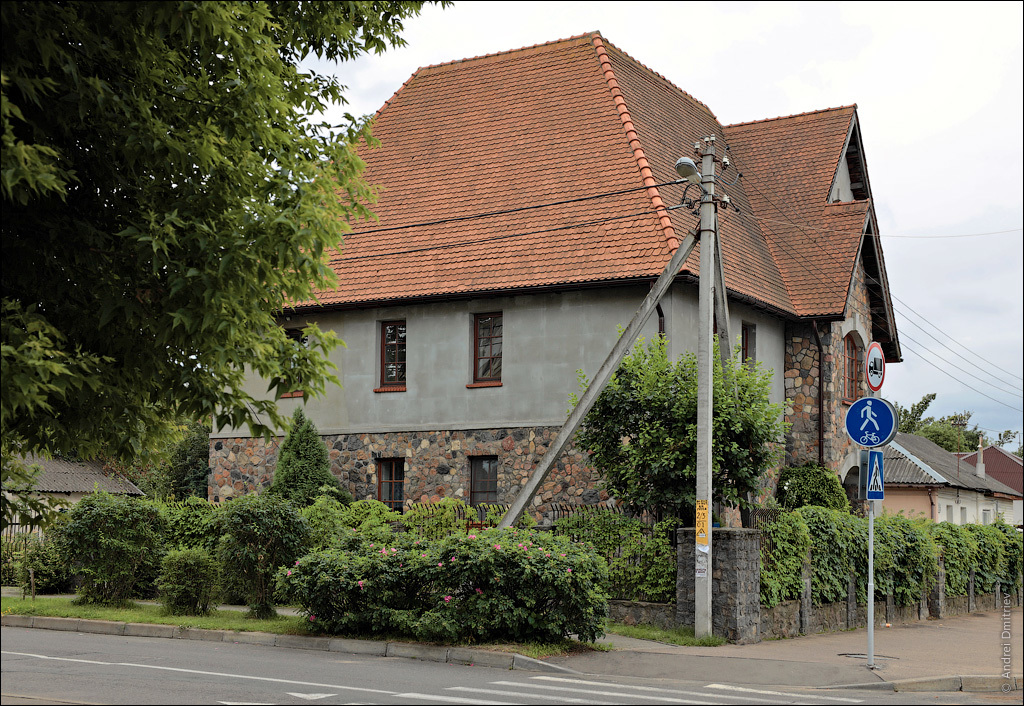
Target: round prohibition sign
[{"x": 874, "y": 364}]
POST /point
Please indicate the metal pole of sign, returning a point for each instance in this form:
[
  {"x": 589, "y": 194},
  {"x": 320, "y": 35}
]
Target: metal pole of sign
[{"x": 871, "y": 584}]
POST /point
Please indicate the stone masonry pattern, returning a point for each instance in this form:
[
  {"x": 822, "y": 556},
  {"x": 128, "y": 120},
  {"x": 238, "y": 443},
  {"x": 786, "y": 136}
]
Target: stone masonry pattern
[{"x": 437, "y": 465}]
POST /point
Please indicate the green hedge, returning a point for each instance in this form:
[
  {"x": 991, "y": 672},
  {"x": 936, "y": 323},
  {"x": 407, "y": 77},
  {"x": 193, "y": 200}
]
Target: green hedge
[
  {"x": 782, "y": 570},
  {"x": 512, "y": 584},
  {"x": 905, "y": 561}
]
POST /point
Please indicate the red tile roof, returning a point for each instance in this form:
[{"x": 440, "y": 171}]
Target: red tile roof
[
  {"x": 788, "y": 166},
  {"x": 570, "y": 120}
]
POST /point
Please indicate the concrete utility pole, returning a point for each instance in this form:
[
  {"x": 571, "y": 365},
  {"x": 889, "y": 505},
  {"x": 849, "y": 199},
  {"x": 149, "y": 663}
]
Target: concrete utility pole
[{"x": 705, "y": 385}]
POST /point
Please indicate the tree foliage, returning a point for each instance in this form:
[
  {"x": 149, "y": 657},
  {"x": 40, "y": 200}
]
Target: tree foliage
[
  {"x": 800, "y": 486},
  {"x": 953, "y": 432},
  {"x": 642, "y": 431},
  {"x": 166, "y": 193}
]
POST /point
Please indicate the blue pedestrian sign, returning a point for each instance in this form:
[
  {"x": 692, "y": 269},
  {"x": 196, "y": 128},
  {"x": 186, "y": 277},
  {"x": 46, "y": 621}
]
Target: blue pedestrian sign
[
  {"x": 876, "y": 476},
  {"x": 871, "y": 421}
]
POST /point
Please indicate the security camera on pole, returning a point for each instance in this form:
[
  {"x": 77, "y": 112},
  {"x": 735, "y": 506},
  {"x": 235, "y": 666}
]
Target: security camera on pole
[{"x": 872, "y": 422}]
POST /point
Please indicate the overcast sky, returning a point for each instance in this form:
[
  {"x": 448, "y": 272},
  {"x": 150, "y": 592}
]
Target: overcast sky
[{"x": 939, "y": 93}]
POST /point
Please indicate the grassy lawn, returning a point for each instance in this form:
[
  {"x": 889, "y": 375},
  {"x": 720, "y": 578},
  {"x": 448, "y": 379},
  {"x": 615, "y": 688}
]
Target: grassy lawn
[
  {"x": 234, "y": 620},
  {"x": 678, "y": 636}
]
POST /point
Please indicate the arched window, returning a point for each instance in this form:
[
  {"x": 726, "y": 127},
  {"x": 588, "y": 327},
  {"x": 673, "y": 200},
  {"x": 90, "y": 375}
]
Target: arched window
[{"x": 851, "y": 369}]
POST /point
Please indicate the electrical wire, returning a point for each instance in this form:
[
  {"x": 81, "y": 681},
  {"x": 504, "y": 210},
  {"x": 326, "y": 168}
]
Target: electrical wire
[{"x": 796, "y": 258}]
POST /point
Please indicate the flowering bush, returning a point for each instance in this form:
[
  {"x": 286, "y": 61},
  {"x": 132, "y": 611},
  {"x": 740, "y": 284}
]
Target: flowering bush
[{"x": 499, "y": 584}]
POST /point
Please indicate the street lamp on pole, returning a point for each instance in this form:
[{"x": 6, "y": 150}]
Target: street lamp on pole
[{"x": 711, "y": 291}]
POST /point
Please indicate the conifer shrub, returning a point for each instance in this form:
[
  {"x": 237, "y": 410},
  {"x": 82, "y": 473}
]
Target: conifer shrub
[
  {"x": 304, "y": 466},
  {"x": 189, "y": 582}
]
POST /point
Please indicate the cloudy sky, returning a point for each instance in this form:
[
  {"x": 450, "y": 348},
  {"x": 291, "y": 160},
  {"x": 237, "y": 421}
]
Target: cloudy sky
[{"x": 939, "y": 93}]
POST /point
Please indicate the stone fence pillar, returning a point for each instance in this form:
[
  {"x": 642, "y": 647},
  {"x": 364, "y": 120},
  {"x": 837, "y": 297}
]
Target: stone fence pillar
[{"x": 735, "y": 582}]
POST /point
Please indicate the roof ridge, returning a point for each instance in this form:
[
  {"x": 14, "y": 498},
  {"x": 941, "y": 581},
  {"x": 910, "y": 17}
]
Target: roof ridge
[
  {"x": 508, "y": 51},
  {"x": 634, "y": 142},
  {"x": 477, "y": 58},
  {"x": 794, "y": 115},
  {"x": 647, "y": 68}
]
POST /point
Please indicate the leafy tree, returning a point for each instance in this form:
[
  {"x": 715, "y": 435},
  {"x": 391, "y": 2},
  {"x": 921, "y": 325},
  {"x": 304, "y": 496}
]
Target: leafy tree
[
  {"x": 304, "y": 467},
  {"x": 642, "y": 431},
  {"x": 166, "y": 193},
  {"x": 952, "y": 432}
]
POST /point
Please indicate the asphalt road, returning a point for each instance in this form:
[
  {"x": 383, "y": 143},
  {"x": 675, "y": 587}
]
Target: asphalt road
[{"x": 43, "y": 666}]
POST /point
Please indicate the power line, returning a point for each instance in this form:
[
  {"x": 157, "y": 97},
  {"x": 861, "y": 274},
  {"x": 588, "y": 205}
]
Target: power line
[
  {"x": 790, "y": 221},
  {"x": 886, "y": 235},
  {"x": 507, "y": 211},
  {"x": 779, "y": 244}
]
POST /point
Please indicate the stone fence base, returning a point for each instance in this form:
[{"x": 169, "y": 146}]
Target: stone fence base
[{"x": 662, "y": 615}]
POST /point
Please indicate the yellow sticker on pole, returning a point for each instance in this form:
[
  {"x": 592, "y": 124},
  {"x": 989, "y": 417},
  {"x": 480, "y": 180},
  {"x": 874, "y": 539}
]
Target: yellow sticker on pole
[{"x": 702, "y": 522}]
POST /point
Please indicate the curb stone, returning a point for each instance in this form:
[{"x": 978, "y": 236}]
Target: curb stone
[
  {"x": 965, "y": 682},
  {"x": 431, "y": 653}
]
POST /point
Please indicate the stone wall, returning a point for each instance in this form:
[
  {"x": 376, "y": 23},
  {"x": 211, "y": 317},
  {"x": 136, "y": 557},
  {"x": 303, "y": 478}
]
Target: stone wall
[
  {"x": 735, "y": 582},
  {"x": 437, "y": 464},
  {"x": 662, "y": 615},
  {"x": 804, "y": 364}
]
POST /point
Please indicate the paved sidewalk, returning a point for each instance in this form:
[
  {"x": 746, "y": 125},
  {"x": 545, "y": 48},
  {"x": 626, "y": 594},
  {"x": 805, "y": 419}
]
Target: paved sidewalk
[{"x": 933, "y": 652}]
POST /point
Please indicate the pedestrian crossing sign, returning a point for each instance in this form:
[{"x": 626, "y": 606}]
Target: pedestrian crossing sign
[{"x": 876, "y": 476}]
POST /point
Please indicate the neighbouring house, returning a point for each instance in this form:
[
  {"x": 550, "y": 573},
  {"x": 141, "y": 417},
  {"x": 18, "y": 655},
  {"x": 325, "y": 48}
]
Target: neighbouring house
[
  {"x": 1003, "y": 466},
  {"x": 70, "y": 481},
  {"x": 923, "y": 479},
  {"x": 528, "y": 200}
]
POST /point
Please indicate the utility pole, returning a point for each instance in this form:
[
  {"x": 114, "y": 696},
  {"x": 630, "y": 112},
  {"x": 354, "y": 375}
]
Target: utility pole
[{"x": 705, "y": 385}]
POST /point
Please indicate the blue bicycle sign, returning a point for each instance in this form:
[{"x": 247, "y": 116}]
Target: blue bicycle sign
[{"x": 871, "y": 421}]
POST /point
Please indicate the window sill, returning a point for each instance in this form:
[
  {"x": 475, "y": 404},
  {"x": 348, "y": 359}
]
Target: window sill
[
  {"x": 394, "y": 388},
  {"x": 492, "y": 383},
  {"x": 297, "y": 393}
]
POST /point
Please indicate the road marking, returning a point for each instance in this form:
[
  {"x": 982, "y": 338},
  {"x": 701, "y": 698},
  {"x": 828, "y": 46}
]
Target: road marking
[
  {"x": 198, "y": 671},
  {"x": 309, "y": 697},
  {"x": 614, "y": 694},
  {"x": 497, "y": 692},
  {"x": 729, "y": 687},
  {"x": 453, "y": 699},
  {"x": 716, "y": 697}
]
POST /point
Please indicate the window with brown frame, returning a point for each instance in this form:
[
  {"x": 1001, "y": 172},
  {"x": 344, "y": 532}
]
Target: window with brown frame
[
  {"x": 748, "y": 343},
  {"x": 483, "y": 480},
  {"x": 851, "y": 369},
  {"x": 487, "y": 347},
  {"x": 391, "y": 482},
  {"x": 295, "y": 334},
  {"x": 392, "y": 354}
]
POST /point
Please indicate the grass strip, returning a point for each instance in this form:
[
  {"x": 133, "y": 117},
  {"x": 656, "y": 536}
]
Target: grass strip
[
  {"x": 677, "y": 636},
  {"x": 235, "y": 620}
]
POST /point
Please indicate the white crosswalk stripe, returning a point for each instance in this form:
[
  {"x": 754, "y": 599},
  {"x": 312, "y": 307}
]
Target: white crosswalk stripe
[
  {"x": 549, "y": 688},
  {"x": 716, "y": 698}
]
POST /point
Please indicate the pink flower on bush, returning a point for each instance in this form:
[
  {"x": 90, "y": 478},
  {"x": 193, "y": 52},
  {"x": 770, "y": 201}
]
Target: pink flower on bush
[
  {"x": 289, "y": 573},
  {"x": 312, "y": 618},
  {"x": 360, "y": 585},
  {"x": 296, "y": 562},
  {"x": 472, "y": 536},
  {"x": 447, "y": 598},
  {"x": 497, "y": 546},
  {"x": 480, "y": 591},
  {"x": 453, "y": 558},
  {"x": 440, "y": 563},
  {"x": 568, "y": 571}
]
